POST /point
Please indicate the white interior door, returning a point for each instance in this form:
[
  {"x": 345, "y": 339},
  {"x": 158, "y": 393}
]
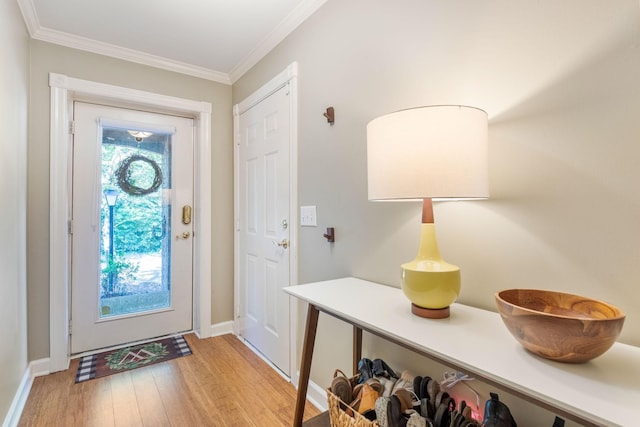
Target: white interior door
[
  {"x": 131, "y": 226},
  {"x": 264, "y": 226}
]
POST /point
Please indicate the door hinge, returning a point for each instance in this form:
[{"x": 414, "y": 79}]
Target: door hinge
[
  {"x": 70, "y": 326},
  {"x": 72, "y": 127},
  {"x": 70, "y": 227}
]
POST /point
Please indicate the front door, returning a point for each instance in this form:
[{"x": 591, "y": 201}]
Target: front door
[
  {"x": 132, "y": 217},
  {"x": 264, "y": 183}
]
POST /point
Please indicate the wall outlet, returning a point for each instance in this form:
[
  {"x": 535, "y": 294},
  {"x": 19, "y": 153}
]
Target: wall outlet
[{"x": 308, "y": 216}]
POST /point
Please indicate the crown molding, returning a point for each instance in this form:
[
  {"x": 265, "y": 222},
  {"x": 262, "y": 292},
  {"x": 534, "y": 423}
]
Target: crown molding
[
  {"x": 303, "y": 11},
  {"x": 82, "y": 43},
  {"x": 296, "y": 17},
  {"x": 119, "y": 52},
  {"x": 29, "y": 15}
]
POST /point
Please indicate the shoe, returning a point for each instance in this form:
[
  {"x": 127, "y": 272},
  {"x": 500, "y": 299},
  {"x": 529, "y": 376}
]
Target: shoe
[
  {"x": 443, "y": 412},
  {"x": 368, "y": 399},
  {"x": 415, "y": 420},
  {"x": 424, "y": 393},
  {"x": 497, "y": 414},
  {"x": 433, "y": 389},
  {"x": 417, "y": 380},
  {"x": 341, "y": 386},
  {"x": 405, "y": 381},
  {"x": 466, "y": 411},
  {"x": 376, "y": 384},
  {"x": 388, "y": 384},
  {"x": 365, "y": 370},
  {"x": 395, "y": 418},
  {"x": 381, "y": 369},
  {"x": 426, "y": 408},
  {"x": 406, "y": 400},
  {"x": 382, "y": 404}
]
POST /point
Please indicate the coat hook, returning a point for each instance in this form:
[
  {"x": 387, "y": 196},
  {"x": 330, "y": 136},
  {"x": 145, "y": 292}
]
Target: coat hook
[
  {"x": 330, "y": 235},
  {"x": 330, "y": 115}
]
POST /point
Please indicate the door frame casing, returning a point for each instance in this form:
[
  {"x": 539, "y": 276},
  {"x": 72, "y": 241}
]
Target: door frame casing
[
  {"x": 288, "y": 76},
  {"x": 64, "y": 91}
]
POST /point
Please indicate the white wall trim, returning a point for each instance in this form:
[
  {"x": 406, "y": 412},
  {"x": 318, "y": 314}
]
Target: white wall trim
[
  {"x": 301, "y": 13},
  {"x": 17, "y": 405},
  {"x": 288, "y": 76},
  {"x": 39, "y": 368},
  {"x": 29, "y": 15},
  {"x": 64, "y": 90},
  {"x": 304, "y": 10},
  {"x": 222, "y": 328},
  {"x": 120, "y": 52},
  {"x": 317, "y": 396},
  {"x": 34, "y": 369}
]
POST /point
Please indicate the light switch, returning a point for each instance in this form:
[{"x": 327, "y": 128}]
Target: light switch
[{"x": 308, "y": 216}]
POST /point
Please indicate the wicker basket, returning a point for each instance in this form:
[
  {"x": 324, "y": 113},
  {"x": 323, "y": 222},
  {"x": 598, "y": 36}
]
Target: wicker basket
[{"x": 339, "y": 417}]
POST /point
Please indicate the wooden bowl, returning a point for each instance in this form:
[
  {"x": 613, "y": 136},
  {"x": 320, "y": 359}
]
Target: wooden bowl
[{"x": 558, "y": 326}]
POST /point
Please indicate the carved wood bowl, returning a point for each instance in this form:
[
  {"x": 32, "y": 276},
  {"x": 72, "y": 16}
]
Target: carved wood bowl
[{"x": 558, "y": 326}]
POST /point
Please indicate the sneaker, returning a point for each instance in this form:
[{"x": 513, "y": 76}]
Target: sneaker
[{"x": 381, "y": 411}]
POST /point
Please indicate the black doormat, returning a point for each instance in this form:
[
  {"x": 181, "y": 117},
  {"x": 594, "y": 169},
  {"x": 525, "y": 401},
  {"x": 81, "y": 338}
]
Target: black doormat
[{"x": 124, "y": 359}]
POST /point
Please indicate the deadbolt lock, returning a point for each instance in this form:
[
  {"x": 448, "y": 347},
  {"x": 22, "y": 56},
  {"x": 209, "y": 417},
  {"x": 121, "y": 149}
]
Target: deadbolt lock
[{"x": 186, "y": 214}]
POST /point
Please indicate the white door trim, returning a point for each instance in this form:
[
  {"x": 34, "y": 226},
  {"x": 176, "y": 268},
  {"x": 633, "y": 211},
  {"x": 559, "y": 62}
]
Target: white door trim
[
  {"x": 65, "y": 90},
  {"x": 290, "y": 76}
]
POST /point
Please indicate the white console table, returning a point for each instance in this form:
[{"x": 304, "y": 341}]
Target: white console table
[{"x": 602, "y": 392}]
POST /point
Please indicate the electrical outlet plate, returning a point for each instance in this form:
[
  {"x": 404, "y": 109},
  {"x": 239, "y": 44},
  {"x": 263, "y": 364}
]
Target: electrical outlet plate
[{"x": 308, "y": 217}]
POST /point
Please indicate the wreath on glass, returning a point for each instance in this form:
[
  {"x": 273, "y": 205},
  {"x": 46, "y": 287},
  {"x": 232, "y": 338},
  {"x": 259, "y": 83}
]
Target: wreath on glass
[{"x": 127, "y": 182}]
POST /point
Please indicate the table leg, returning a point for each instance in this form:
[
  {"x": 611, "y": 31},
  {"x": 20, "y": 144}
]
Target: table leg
[
  {"x": 305, "y": 364},
  {"x": 357, "y": 348}
]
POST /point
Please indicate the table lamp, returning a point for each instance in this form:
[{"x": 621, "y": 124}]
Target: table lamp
[{"x": 429, "y": 153}]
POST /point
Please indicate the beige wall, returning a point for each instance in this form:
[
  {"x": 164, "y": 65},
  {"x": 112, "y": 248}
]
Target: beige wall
[
  {"x": 14, "y": 86},
  {"x": 559, "y": 81},
  {"x": 46, "y": 58}
]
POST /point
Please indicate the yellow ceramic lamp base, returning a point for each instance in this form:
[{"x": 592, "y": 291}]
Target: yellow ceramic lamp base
[{"x": 429, "y": 282}]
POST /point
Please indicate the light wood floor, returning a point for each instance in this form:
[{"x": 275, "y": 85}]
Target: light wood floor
[{"x": 223, "y": 383}]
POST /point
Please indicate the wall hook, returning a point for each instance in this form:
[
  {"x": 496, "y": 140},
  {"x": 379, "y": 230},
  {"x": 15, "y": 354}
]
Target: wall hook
[
  {"x": 330, "y": 235},
  {"x": 330, "y": 115}
]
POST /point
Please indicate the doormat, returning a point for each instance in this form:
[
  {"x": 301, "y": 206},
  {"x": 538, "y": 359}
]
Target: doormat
[{"x": 125, "y": 359}]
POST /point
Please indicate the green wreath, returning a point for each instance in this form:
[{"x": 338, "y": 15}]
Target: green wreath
[{"x": 124, "y": 176}]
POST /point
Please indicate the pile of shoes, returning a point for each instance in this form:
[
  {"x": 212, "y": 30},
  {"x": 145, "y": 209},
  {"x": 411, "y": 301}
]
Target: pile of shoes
[{"x": 380, "y": 395}]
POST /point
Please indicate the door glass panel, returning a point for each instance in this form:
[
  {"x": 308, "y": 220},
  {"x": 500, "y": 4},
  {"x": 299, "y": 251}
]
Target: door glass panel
[{"x": 135, "y": 222}]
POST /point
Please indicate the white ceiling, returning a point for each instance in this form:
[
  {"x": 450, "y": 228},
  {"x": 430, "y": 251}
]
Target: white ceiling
[{"x": 214, "y": 39}]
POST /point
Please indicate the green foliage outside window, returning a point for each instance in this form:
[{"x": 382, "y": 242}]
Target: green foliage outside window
[{"x": 138, "y": 220}]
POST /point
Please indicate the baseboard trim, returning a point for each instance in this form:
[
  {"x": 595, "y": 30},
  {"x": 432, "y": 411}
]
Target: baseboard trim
[
  {"x": 317, "y": 396},
  {"x": 40, "y": 367},
  {"x": 222, "y": 328},
  {"x": 34, "y": 369}
]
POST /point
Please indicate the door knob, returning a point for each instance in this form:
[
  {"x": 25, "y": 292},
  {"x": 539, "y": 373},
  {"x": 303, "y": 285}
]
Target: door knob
[
  {"x": 284, "y": 243},
  {"x": 184, "y": 235}
]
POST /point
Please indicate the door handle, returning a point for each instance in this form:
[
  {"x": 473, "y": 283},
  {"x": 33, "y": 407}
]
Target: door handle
[
  {"x": 184, "y": 235},
  {"x": 284, "y": 244}
]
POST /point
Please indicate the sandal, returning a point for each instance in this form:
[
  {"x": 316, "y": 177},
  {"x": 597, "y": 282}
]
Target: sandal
[
  {"x": 368, "y": 399},
  {"x": 341, "y": 387}
]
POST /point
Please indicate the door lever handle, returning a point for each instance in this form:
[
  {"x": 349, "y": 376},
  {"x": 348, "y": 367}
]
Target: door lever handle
[
  {"x": 283, "y": 244},
  {"x": 184, "y": 235}
]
